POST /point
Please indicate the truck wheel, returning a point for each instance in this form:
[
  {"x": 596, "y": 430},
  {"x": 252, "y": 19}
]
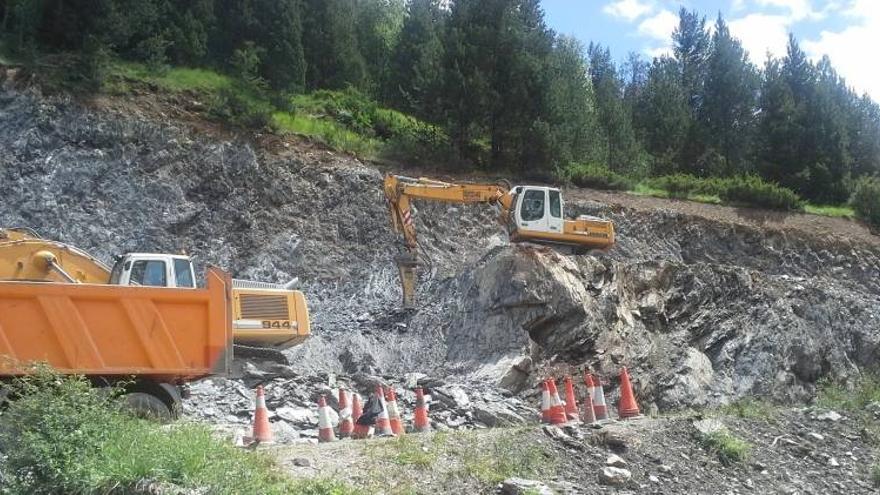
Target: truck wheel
[{"x": 147, "y": 406}]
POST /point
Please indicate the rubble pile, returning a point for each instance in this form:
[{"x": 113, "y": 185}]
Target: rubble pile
[{"x": 292, "y": 400}]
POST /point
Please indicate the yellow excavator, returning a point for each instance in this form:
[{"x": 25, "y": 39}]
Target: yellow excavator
[
  {"x": 529, "y": 214},
  {"x": 266, "y": 317}
]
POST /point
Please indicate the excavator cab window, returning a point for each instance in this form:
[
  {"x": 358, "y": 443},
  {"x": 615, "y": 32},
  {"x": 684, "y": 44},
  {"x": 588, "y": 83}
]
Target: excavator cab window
[
  {"x": 532, "y": 205},
  {"x": 555, "y": 204},
  {"x": 149, "y": 272}
]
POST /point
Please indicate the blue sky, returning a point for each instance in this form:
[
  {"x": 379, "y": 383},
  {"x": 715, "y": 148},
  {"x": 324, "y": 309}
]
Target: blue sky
[{"x": 848, "y": 31}]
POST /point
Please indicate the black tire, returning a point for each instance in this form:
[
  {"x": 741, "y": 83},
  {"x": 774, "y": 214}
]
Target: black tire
[{"x": 147, "y": 406}]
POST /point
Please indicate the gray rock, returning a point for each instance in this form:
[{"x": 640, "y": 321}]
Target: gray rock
[
  {"x": 614, "y": 476},
  {"x": 615, "y": 460},
  {"x": 301, "y": 462},
  {"x": 299, "y": 416},
  {"x": 521, "y": 486},
  {"x": 454, "y": 397},
  {"x": 496, "y": 415},
  {"x": 831, "y": 416}
]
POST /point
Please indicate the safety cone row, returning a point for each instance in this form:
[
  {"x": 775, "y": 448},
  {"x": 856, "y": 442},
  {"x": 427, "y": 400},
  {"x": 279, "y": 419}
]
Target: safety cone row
[
  {"x": 346, "y": 423},
  {"x": 571, "y": 408},
  {"x": 393, "y": 413},
  {"x": 325, "y": 428},
  {"x": 383, "y": 423},
  {"x": 262, "y": 432},
  {"x": 628, "y": 407},
  {"x": 420, "y": 417},
  {"x": 597, "y": 393},
  {"x": 557, "y": 408}
]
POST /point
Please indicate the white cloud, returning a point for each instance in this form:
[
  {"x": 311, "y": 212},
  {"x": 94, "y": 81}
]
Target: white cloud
[
  {"x": 628, "y": 9},
  {"x": 849, "y": 47},
  {"x": 660, "y": 26},
  {"x": 660, "y": 51},
  {"x": 762, "y": 33},
  {"x": 797, "y": 9}
]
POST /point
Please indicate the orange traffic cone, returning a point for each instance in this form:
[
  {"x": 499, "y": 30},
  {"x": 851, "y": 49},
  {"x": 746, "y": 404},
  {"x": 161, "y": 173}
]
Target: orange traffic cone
[
  {"x": 557, "y": 410},
  {"x": 589, "y": 416},
  {"x": 383, "y": 423},
  {"x": 325, "y": 429},
  {"x": 262, "y": 432},
  {"x": 356, "y": 407},
  {"x": 598, "y": 396},
  {"x": 420, "y": 419},
  {"x": 627, "y": 408},
  {"x": 545, "y": 402},
  {"x": 346, "y": 424},
  {"x": 571, "y": 407},
  {"x": 394, "y": 412}
]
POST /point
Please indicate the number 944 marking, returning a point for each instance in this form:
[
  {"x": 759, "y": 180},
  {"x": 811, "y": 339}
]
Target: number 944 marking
[{"x": 276, "y": 324}]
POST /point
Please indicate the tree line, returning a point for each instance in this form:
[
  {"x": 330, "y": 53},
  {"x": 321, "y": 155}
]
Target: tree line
[{"x": 510, "y": 92}]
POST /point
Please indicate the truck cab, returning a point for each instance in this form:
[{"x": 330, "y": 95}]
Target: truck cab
[{"x": 154, "y": 270}]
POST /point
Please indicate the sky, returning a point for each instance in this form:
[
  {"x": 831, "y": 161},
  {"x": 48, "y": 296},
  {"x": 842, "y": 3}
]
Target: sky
[{"x": 848, "y": 31}]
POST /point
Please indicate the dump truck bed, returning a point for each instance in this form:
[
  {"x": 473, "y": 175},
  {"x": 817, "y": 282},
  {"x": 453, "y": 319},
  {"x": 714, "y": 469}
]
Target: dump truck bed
[{"x": 166, "y": 334}]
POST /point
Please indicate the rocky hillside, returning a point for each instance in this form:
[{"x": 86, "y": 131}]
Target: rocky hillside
[{"x": 702, "y": 310}]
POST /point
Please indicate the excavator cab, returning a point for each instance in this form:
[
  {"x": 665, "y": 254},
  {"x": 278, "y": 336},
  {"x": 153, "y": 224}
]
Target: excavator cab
[{"x": 538, "y": 209}]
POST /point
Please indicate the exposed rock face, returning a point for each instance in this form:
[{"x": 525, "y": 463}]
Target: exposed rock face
[{"x": 700, "y": 311}]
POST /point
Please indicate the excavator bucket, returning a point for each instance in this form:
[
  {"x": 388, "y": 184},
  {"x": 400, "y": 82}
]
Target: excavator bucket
[{"x": 407, "y": 265}]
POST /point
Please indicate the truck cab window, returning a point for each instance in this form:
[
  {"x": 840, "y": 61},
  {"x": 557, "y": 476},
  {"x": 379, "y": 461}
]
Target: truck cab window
[
  {"x": 555, "y": 204},
  {"x": 532, "y": 206},
  {"x": 183, "y": 273},
  {"x": 149, "y": 272}
]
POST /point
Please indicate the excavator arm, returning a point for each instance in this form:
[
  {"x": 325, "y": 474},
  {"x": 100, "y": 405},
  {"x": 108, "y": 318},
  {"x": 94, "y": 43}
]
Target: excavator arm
[
  {"x": 529, "y": 213},
  {"x": 400, "y": 191}
]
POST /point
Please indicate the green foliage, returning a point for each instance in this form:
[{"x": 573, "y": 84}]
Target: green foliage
[
  {"x": 504, "y": 456},
  {"x": 753, "y": 191},
  {"x": 853, "y": 397},
  {"x": 246, "y": 64},
  {"x": 327, "y": 131},
  {"x": 830, "y": 210},
  {"x": 683, "y": 186},
  {"x": 875, "y": 475},
  {"x": 239, "y": 106},
  {"x": 596, "y": 176},
  {"x": 727, "y": 446},
  {"x": 866, "y": 200},
  {"x": 751, "y": 408},
  {"x": 61, "y": 435}
]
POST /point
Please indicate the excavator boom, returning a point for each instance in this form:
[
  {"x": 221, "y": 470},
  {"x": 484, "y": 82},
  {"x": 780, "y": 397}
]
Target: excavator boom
[{"x": 529, "y": 213}]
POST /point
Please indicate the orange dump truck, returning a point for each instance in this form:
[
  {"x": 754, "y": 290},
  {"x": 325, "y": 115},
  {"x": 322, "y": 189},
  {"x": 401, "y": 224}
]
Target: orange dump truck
[{"x": 153, "y": 339}]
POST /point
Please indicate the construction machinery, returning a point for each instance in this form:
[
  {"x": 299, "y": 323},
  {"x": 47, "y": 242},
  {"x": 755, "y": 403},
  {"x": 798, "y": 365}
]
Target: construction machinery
[
  {"x": 266, "y": 317},
  {"x": 528, "y": 213},
  {"x": 150, "y": 341}
]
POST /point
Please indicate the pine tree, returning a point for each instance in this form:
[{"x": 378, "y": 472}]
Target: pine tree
[
  {"x": 284, "y": 65},
  {"x": 622, "y": 150},
  {"x": 332, "y": 57},
  {"x": 729, "y": 100},
  {"x": 416, "y": 74},
  {"x": 378, "y": 27},
  {"x": 662, "y": 116}
]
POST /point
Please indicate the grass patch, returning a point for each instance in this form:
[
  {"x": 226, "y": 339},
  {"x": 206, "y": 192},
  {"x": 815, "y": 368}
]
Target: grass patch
[
  {"x": 63, "y": 436},
  {"x": 875, "y": 475},
  {"x": 728, "y": 446},
  {"x": 173, "y": 79},
  {"x": 830, "y": 210},
  {"x": 418, "y": 451},
  {"x": 500, "y": 458},
  {"x": 327, "y": 131},
  {"x": 596, "y": 176},
  {"x": 751, "y": 408},
  {"x": 853, "y": 398}
]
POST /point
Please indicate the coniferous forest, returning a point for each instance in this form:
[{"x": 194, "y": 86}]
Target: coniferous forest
[{"x": 502, "y": 89}]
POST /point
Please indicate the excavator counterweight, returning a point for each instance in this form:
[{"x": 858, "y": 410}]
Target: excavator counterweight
[{"x": 528, "y": 213}]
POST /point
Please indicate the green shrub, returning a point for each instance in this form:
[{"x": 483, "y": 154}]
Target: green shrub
[
  {"x": 875, "y": 475},
  {"x": 751, "y": 408},
  {"x": 729, "y": 447},
  {"x": 683, "y": 186},
  {"x": 866, "y": 200},
  {"x": 597, "y": 176},
  {"x": 754, "y": 191},
  {"x": 62, "y": 436},
  {"x": 240, "y": 106},
  {"x": 854, "y": 397}
]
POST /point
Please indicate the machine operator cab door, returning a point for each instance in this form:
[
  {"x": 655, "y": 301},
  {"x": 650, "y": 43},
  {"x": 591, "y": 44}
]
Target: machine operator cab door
[
  {"x": 153, "y": 270},
  {"x": 539, "y": 209}
]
